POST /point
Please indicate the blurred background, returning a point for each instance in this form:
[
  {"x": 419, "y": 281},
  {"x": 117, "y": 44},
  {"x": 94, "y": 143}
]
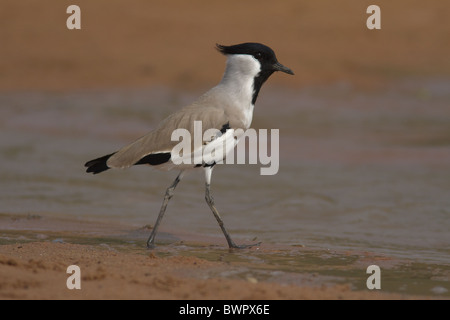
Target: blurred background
[
  {"x": 364, "y": 123},
  {"x": 171, "y": 43}
]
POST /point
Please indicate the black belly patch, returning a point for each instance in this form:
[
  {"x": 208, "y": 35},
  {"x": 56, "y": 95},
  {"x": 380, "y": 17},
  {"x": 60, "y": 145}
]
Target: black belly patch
[
  {"x": 154, "y": 159},
  {"x": 225, "y": 127}
]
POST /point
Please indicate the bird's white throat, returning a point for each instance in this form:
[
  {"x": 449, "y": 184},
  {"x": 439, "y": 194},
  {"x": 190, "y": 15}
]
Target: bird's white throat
[{"x": 238, "y": 82}]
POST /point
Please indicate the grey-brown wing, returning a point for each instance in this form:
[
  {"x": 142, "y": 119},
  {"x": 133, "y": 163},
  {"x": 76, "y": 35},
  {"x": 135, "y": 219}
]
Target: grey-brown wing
[{"x": 156, "y": 145}]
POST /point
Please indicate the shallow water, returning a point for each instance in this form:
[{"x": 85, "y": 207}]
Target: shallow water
[{"x": 358, "y": 171}]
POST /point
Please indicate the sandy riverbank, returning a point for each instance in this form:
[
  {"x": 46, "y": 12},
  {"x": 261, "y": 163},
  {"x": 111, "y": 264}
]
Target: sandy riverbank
[{"x": 114, "y": 264}]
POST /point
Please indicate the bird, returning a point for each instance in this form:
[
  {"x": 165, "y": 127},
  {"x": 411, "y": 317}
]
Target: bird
[{"x": 227, "y": 106}]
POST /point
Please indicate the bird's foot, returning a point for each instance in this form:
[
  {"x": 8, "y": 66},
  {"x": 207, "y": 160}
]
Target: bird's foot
[{"x": 244, "y": 246}]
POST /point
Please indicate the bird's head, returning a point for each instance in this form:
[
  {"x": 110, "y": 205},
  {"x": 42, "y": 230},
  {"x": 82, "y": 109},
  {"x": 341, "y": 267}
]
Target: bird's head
[
  {"x": 263, "y": 54},
  {"x": 252, "y": 61}
]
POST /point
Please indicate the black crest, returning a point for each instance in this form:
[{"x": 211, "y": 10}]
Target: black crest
[{"x": 258, "y": 50}]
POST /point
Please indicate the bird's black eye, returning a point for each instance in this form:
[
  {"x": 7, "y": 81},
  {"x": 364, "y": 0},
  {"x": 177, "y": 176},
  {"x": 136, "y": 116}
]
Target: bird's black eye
[{"x": 258, "y": 55}]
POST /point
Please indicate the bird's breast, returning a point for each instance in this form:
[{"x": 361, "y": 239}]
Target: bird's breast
[{"x": 247, "y": 115}]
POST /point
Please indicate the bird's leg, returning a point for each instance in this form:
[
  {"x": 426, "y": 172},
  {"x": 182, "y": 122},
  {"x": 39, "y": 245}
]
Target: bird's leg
[
  {"x": 210, "y": 201},
  {"x": 167, "y": 197}
]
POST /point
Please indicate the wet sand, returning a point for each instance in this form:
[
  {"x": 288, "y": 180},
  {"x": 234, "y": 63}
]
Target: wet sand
[
  {"x": 139, "y": 46},
  {"x": 108, "y": 274},
  {"x": 115, "y": 265}
]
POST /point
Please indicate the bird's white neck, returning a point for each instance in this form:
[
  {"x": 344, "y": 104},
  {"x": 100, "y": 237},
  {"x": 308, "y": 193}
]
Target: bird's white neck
[
  {"x": 238, "y": 82},
  {"x": 239, "y": 77}
]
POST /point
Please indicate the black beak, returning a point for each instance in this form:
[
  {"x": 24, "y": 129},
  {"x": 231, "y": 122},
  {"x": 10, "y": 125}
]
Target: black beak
[{"x": 279, "y": 67}]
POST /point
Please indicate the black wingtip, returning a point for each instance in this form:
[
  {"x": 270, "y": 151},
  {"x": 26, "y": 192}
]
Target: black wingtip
[{"x": 98, "y": 165}]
